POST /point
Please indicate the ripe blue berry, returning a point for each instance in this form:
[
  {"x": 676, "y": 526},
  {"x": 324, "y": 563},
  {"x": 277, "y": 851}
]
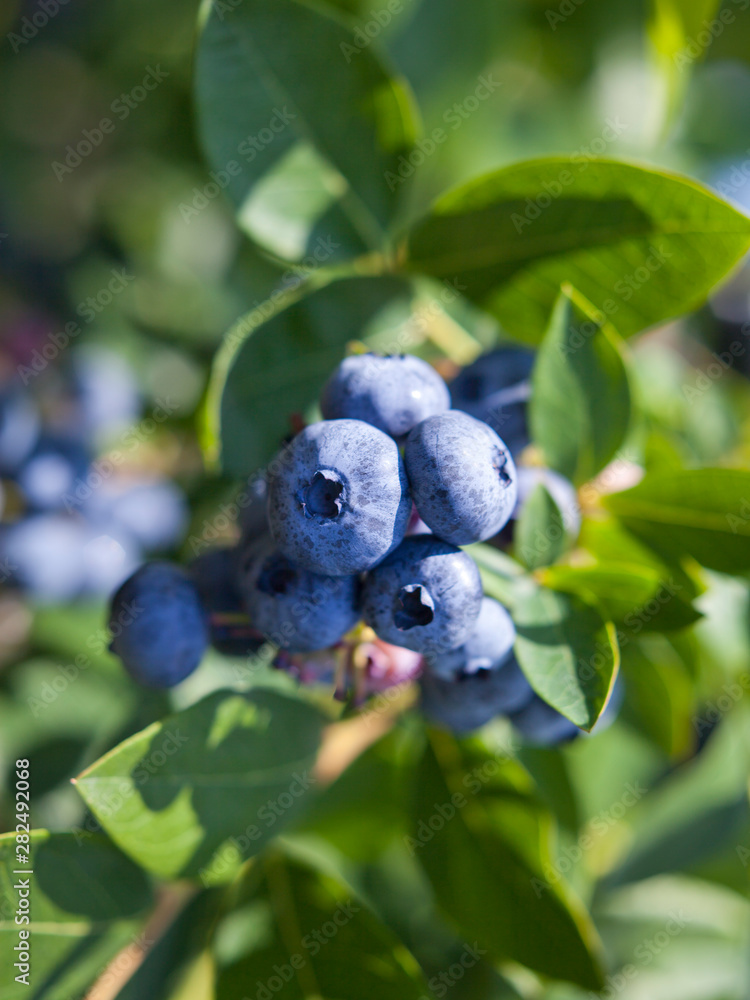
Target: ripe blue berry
[
  {"x": 489, "y": 648},
  {"x": 541, "y": 724},
  {"x": 425, "y": 596},
  {"x": 296, "y": 609},
  {"x": 338, "y": 497},
  {"x": 392, "y": 393},
  {"x": 158, "y": 625},
  {"x": 464, "y": 702},
  {"x": 462, "y": 477},
  {"x": 496, "y": 389},
  {"x": 216, "y": 575}
]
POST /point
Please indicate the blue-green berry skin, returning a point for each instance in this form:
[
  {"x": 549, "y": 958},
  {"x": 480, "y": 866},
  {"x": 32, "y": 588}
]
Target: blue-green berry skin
[
  {"x": 393, "y": 393},
  {"x": 489, "y": 649},
  {"x": 159, "y": 626},
  {"x": 296, "y": 609},
  {"x": 338, "y": 497},
  {"x": 542, "y": 725},
  {"x": 496, "y": 389},
  {"x": 425, "y": 596},
  {"x": 462, "y": 478}
]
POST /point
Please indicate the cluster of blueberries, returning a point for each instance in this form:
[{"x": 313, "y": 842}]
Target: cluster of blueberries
[
  {"x": 73, "y": 525},
  {"x": 359, "y": 519}
]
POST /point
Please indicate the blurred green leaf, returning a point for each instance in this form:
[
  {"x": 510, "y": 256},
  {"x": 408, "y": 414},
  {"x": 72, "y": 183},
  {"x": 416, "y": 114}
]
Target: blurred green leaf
[
  {"x": 272, "y": 367},
  {"x": 85, "y": 898},
  {"x": 232, "y": 766},
  {"x": 641, "y": 245},
  {"x": 702, "y": 513},
  {"x": 309, "y": 931},
  {"x": 303, "y": 125},
  {"x": 566, "y": 650},
  {"x": 580, "y": 402},
  {"x": 168, "y": 957},
  {"x": 539, "y": 537},
  {"x": 674, "y": 29},
  {"x": 485, "y": 844},
  {"x": 660, "y": 698},
  {"x": 635, "y": 597}
]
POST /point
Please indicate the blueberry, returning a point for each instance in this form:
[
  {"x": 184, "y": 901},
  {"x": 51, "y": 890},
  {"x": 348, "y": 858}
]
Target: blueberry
[
  {"x": 106, "y": 389},
  {"x": 496, "y": 389},
  {"x": 296, "y": 609},
  {"x": 488, "y": 648},
  {"x": 562, "y": 491},
  {"x": 158, "y": 625},
  {"x": 19, "y": 429},
  {"x": 464, "y": 702},
  {"x": 216, "y": 575},
  {"x": 425, "y": 596},
  {"x": 462, "y": 477},
  {"x": 392, "y": 393},
  {"x": 44, "y": 555},
  {"x": 53, "y": 471},
  {"x": 540, "y": 724},
  {"x": 151, "y": 511},
  {"x": 338, "y": 497}
]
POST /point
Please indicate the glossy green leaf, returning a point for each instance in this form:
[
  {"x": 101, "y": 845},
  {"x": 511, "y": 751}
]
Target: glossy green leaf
[
  {"x": 86, "y": 898},
  {"x": 567, "y": 651},
  {"x": 633, "y": 597},
  {"x": 580, "y": 401},
  {"x": 307, "y": 931},
  {"x": 302, "y": 125},
  {"x": 702, "y": 513},
  {"x": 201, "y": 790},
  {"x": 539, "y": 537},
  {"x": 271, "y": 367},
  {"x": 501, "y": 575},
  {"x": 486, "y": 844},
  {"x": 641, "y": 245}
]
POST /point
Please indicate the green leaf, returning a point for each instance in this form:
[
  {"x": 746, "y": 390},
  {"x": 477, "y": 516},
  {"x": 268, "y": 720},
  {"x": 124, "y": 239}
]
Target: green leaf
[
  {"x": 660, "y": 699},
  {"x": 304, "y": 130},
  {"x": 86, "y": 898},
  {"x": 309, "y": 928},
  {"x": 674, "y": 30},
  {"x": 272, "y": 367},
  {"x": 641, "y": 245},
  {"x": 634, "y": 597},
  {"x": 702, "y": 513},
  {"x": 501, "y": 575},
  {"x": 201, "y": 790},
  {"x": 580, "y": 401},
  {"x": 539, "y": 537},
  {"x": 486, "y": 844},
  {"x": 567, "y": 651}
]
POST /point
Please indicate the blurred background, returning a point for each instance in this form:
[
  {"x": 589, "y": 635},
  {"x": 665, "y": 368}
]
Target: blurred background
[{"x": 113, "y": 301}]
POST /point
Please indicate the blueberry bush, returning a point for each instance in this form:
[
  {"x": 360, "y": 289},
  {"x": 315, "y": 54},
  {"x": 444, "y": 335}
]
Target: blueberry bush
[{"x": 375, "y": 491}]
